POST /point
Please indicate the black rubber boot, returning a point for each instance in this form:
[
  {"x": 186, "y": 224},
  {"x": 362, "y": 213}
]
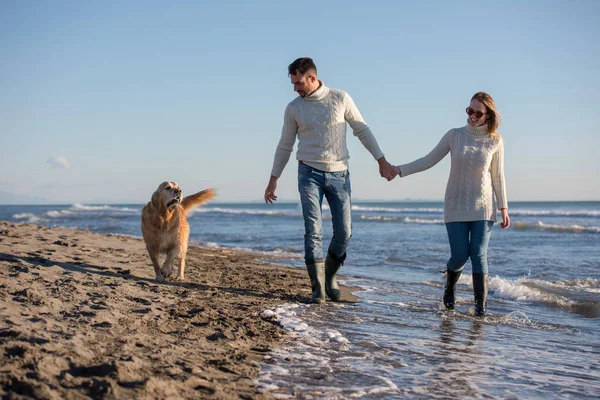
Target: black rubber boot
[
  {"x": 450, "y": 289},
  {"x": 332, "y": 266},
  {"x": 480, "y": 291},
  {"x": 316, "y": 272}
]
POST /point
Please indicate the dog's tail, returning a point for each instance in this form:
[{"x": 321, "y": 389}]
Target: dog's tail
[{"x": 194, "y": 200}]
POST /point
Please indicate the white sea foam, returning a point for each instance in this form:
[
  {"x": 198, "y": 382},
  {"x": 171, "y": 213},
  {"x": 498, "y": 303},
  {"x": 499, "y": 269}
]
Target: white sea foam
[
  {"x": 82, "y": 207},
  {"x": 308, "y": 344},
  {"x": 29, "y": 217},
  {"x": 73, "y": 211},
  {"x": 406, "y": 220},
  {"x": 128, "y": 209},
  {"x": 287, "y": 316},
  {"x": 278, "y": 253},
  {"x": 78, "y": 206},
  {"x": 365, "y": 288},
  {"x": 246, "y": 211},
  {"x": 557, "y": 228},
  {"x": 388, "y": 303},
  {"x": 519, "y": 291},
  {"x": 423, "y": 221},
  {"x": 556, "y": 213},
  {"x": 522, "y": 289},
  {"x": 336, "y": 336},
  {"x": 270, "y": 374},
  {"x": 584, "y": 283},
  {"x": 378, "y": 218},
  {"x": 58, "y": 213},
  {"x": 397, "y": 210}
]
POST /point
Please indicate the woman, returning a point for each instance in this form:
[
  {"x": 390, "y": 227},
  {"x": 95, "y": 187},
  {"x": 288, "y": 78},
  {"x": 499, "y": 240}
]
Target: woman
[{"x": 476, "y": 175}]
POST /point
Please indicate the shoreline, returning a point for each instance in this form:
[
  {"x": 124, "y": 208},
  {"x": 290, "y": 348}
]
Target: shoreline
[{"x": 81, "y": 315}]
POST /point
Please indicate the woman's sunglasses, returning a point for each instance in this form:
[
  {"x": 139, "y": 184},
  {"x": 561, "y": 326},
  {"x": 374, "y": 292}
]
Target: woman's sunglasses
[{"x": 478, "y": 114}]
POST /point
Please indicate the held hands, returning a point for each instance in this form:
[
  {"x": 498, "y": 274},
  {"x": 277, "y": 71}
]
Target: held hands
[
  {"x": 387, "y": 170},
  {"x": 270, "y": 190},
  {"x": 505, "y": 218}
]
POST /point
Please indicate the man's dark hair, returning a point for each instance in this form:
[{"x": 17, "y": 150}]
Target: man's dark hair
[{"x": 301, "y": 66}]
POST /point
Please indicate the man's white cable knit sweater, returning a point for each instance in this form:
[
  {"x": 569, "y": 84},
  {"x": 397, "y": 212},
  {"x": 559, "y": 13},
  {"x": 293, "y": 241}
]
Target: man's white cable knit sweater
[
  {"x": 476, "y": 173},
  {"x": 319, "y": 121}
]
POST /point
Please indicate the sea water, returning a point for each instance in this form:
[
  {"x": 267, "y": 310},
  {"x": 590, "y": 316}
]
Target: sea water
[{"x": 541, "y": 338}]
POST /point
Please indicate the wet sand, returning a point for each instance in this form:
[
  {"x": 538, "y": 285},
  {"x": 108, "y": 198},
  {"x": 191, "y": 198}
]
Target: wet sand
[{"x": 81, "y": 316}]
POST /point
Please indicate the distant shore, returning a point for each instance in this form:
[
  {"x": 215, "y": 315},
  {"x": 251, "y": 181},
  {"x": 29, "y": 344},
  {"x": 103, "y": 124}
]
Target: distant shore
[{"x": 81, "y": 315}]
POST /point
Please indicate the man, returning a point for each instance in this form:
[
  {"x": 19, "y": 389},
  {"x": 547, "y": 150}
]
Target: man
[{"x": 318, "y": 118}]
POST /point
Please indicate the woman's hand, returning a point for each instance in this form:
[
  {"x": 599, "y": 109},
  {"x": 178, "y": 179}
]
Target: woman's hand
[
  {"x": 505, "y": 218},
  {"x": 386, "y": 170}
]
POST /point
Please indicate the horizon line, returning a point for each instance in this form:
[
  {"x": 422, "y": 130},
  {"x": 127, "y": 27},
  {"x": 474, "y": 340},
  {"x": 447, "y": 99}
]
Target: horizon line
[{"x": 287, "y": 201}]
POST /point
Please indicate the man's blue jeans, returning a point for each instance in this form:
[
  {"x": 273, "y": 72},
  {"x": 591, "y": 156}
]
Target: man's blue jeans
[
  {"x": 313, "y": 184},
  {"x": 469, "y": 239}
]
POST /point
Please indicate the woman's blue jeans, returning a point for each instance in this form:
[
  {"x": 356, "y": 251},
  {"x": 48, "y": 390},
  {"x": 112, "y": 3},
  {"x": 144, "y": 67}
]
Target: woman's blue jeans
[
  {"x": 469, "y": 240},
  {"x": 313, "y": 185}
]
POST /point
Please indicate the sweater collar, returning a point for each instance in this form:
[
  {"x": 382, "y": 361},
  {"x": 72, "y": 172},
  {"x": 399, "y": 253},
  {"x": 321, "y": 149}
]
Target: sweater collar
[
  {"x": 319, "y": 93},
  {"x": 477, "y": 130}
]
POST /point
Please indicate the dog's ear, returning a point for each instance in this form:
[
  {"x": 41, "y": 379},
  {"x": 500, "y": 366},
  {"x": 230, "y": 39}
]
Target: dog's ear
[
  {"x": 155, "y": 198},
  {"x": 156, "y": 194}
]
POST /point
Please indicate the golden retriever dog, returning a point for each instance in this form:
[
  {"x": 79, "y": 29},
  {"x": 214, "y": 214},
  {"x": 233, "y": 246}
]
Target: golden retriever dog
[{"x": 165, "y": 227}]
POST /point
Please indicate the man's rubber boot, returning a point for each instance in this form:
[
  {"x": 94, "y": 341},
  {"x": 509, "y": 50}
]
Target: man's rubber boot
[
  {"x": 316, "y": 273},
  {"x": 450, "y": 289},
  {"x": 480, "y": 291},
  {"x": 332, "y": 266}
]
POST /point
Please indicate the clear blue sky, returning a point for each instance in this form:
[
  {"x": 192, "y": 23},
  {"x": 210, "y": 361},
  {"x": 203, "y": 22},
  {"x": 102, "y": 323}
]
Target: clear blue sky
[{"x": 101, "y": 101}]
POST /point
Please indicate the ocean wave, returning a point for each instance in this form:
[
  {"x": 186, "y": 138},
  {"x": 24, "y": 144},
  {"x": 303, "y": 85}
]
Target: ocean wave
[
  {"x": 246, "y": 211},
  {"x": 397, "y": 210},
  {"x": 58, "y": 213},
  {"x": 313, "y": 351},
  {"x": 572, "y": 294},
  {"x": 557, "y": 228},
  {"x": 556, "y": 213},
  {"x": 584, "y": 283},
  {"x": 28, "y": 217},
  {"x": 406, "y": 220},
  {"x": 78, "y": 206},
  {"x": 521, "y": 290},
  {"x": 519, "y": 319},
  {"x": 286, "y": 252},
  {"x": 286, "y": 316},
  {"x": 75, "y": 212},
  {"x": 275, "y": 252},
  {"x": 82, "y": 207}
]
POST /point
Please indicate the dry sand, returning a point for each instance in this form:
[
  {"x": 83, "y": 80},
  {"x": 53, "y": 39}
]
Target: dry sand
[{"x": 82, "y": 317}]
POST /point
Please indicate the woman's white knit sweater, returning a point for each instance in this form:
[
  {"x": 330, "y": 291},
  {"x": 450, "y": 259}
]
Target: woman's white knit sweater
[
  {"x": 319, "y": 122},
  {"x": 476, "y": 173}
]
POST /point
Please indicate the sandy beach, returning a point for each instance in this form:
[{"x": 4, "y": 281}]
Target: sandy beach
[{"x": 81, "y": 316}]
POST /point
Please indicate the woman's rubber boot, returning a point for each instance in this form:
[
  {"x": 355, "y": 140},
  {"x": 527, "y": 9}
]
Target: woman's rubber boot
[
  {"x": 480, "y": 291},
  {"x": 332, "y": 266},
  {"x": 316, "y": 273},
  {"x": 450, "y": 289}
]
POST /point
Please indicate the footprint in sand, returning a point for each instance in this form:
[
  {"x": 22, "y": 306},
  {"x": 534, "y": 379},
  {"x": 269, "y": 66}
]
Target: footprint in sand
[
  {"x": 140, "y": 300},
  {"x": 141, "y": 311},
  {"x": 104, "y": 324},
  {"x": 93, "y": 370},
  {"x": 101, "y": 305},
  {"x": 15, "y": 351}
]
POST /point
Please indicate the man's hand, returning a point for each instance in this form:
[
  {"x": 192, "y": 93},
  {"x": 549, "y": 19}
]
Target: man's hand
[
  {"x": 387, "y": 170},
  {"x": 270, "y": 190},
  {"x": 505, "y": 218}
]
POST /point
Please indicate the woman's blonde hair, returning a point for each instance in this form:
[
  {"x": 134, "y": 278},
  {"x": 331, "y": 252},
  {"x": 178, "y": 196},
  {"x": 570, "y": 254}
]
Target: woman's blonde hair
[{"x": 494, "y": 117}]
